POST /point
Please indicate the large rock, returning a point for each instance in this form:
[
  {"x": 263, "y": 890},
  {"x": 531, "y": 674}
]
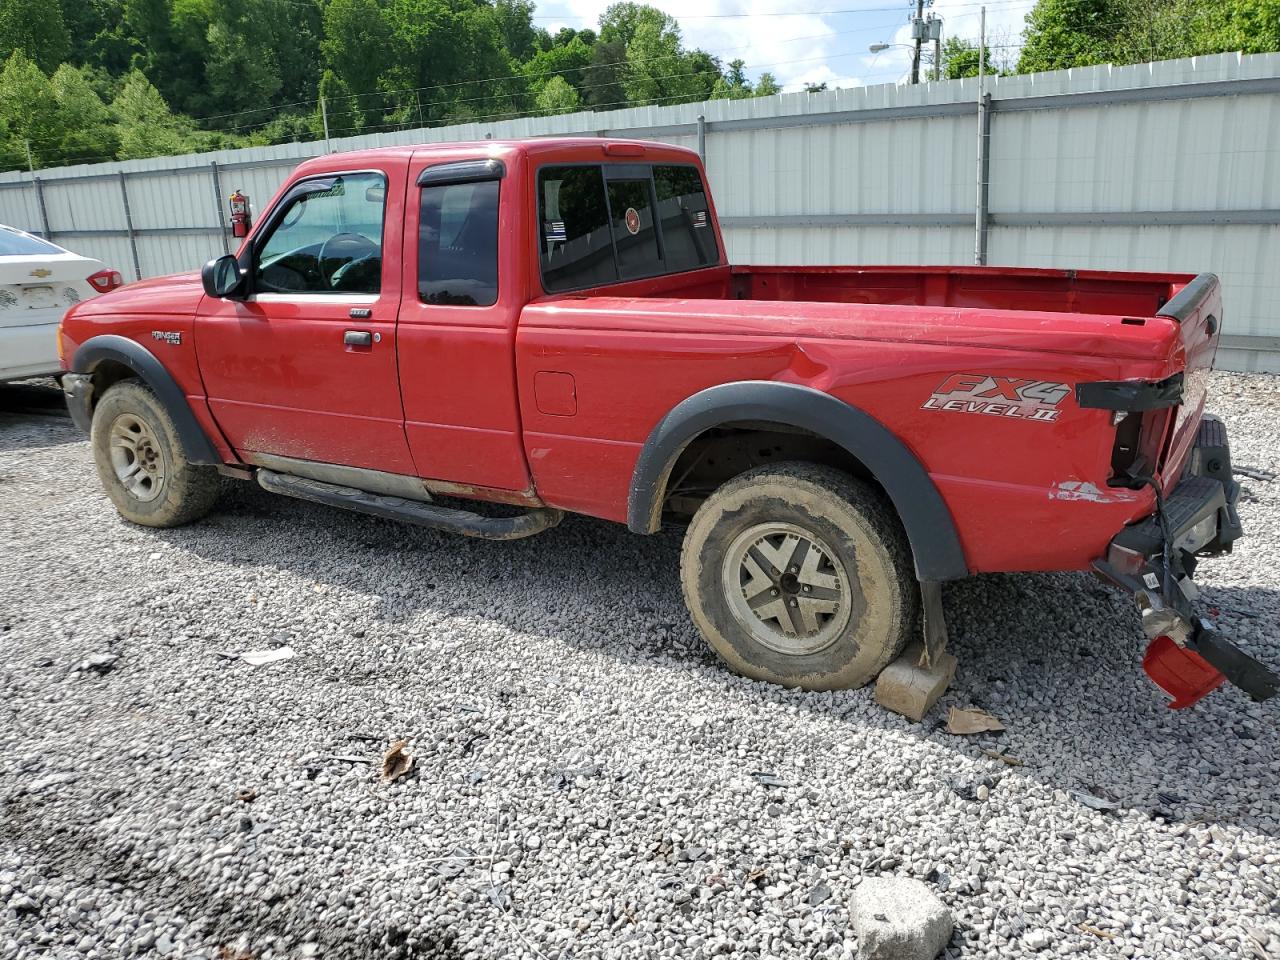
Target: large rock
[{"x": 899, "y": 919}]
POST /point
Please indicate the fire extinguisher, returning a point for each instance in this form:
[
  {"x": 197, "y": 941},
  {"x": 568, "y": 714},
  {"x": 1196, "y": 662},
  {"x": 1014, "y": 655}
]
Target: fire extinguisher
[{"x": 240, "y": 216}]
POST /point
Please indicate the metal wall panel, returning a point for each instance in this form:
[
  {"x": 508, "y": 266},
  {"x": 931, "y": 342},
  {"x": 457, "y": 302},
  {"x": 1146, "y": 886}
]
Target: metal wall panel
[{"x": 1081, "y": 163}]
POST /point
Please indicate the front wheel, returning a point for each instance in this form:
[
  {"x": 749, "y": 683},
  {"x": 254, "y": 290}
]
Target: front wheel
[
  {"x": 140, "y": 460},
  {"x": 799, "y": 574}
]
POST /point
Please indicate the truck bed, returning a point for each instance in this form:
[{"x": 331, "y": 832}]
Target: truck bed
[
  {"x": 1094, "y": 292},
  {"x": 1001, "y": 288}
]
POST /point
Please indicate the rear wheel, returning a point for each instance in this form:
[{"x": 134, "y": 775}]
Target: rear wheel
[
  {"x": 140, "y": 460},
  {"x": 799, "y": 574}
]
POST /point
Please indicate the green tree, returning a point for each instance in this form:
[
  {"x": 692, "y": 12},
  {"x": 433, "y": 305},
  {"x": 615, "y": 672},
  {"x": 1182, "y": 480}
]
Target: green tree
[
  {"x": 37, "y": 29},
  {"x": 734, "y": 85},
  {"x": 960, "y": 59},
  {"x": 343, "y": 110},
  {"x": 557, "y": 96},
  {"x": 84, "y": 120},
  {"x": 515, "y": 24},
  {"x": 659, "y": 70},
  {"x": 147, "y": 127},
  {"x": 98, "y": 36},
  {"x": 1068, "y": 33},
  {"x": 767, "y": 85},
  {"x": 357, "y": 38},
  {"x": 567, "y": 60},
  {"x": 241, "y": 68},
  {"x": 30, "y": 109},
  {"x": 602, "y": 79}
]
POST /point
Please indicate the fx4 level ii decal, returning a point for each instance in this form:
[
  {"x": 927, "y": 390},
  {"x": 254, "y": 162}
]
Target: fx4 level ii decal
[{"x": 1014, "y": 397}]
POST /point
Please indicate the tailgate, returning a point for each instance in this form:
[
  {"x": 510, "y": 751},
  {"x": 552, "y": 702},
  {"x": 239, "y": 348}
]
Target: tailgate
[{"x": 1197, "y": 309}]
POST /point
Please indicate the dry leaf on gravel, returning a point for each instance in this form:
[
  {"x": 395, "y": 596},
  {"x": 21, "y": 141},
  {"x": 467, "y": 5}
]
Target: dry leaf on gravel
[
  {"x": 396, "y": 762},
  {"x": 972, "y": 720}
]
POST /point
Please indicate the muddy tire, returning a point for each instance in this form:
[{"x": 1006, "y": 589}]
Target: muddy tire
[
  {"x": 141, "y": 463},
  {"x": 801, "y": 575}
]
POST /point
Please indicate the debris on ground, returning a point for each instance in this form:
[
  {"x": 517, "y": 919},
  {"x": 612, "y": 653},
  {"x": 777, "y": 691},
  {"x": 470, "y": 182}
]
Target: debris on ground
[
  {"x": 257, "y": 658},
  {"x": 396, "y": 762},
  {"x": 964, "y": 722},
  {"x": 1253, "y": 473},
  {"x": 99, "y": 663},
  {"x": 1093, "y": 801},
  {"x": 1005, "y": 758},
  {"x": 897, "y": 918}
]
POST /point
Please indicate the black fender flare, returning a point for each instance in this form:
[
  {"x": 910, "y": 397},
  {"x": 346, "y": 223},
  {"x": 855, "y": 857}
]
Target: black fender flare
[
  {"x": 196, "y": 445},
  {"x": 935, "y": 543}
]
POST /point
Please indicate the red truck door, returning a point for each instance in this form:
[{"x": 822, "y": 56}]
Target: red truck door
[
  {"x": 306, "y": 366},
  {"x": 464, "y": 228}
]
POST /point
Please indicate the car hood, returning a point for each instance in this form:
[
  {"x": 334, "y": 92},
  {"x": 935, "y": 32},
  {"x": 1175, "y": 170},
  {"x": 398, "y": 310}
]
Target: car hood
[{"x": 178, "y": 293}]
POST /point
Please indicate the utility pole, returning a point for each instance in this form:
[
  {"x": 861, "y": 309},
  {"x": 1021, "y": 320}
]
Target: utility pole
[
  {"x": 984, "y": 135},
  {"x": 935, "y": 34},
  {"x": 31, "y": 167},
  {"x": 324, "y": 118},
  {"x": 917, "y": 34}
]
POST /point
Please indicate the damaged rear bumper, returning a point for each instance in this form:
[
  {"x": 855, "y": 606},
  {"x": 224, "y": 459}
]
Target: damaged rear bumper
[{"x": 1155, "y": 559}]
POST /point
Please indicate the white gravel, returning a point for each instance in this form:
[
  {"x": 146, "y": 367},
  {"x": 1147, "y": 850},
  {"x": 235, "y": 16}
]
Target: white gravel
[{"x": 589, "y": 782}]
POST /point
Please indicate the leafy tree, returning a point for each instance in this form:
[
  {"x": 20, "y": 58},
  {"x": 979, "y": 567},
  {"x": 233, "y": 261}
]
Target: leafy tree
[
  {"x": 84, "y": 120},
  {"x": 1068, "y": 33},
  {"x": 659, "y": 70},
  {"x": 815, "y": 87},
  {"x": 734, "y": 85},
  {"x": 98, "y": 36},
  {"x": 602, "y": 80},
  {"x": 37, "y": 29},
  {"x": 147, "y": 127},
  {"x": 240, "y": 66},
  {"x": 960, "y": 59},
  {"x": 557, "y": 96},
  {"x": 515, "y": 24},
  {"x": 567, "y": 60},
  {"x": 343, "y": 110},
  {"x": 30, "y": 108},
  {"x": 767, "y": 85},
  {"x": 356, "y": 40}
]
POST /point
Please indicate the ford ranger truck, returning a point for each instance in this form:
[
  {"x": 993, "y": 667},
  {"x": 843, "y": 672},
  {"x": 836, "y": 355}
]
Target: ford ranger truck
[{"x": 553, "y": 326}]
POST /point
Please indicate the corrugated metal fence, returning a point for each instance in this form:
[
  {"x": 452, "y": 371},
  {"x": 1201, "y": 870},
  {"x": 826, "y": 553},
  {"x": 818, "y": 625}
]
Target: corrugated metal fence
[{"x": 1163, "y": 166}]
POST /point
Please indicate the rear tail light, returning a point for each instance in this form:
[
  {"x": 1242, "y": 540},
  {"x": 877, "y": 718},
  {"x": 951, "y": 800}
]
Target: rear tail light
[
  {"x": 1141, "y": 444},
  {"x": 1183, "y": 674},
  {"x": 104, "y": 281}
]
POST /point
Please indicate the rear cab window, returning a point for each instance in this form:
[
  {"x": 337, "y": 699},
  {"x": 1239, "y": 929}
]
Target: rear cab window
[{"x": 604, "y": 223}]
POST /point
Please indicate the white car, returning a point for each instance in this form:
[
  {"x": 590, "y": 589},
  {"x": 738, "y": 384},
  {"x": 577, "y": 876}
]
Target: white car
[{"x": 39, "y": 281}]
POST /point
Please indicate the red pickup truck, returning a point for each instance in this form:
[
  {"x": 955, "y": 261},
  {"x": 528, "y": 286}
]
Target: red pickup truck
[{"x": 552, "y": 325}]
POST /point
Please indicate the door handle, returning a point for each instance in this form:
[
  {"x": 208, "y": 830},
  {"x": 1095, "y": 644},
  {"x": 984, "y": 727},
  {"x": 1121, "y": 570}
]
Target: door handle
[{"x": 357, "y": 338}]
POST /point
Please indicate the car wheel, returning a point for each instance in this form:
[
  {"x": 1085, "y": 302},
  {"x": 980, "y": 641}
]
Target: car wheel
[
  {"x": 141, "y": 463},
  {"x": 799, "y": 574}
]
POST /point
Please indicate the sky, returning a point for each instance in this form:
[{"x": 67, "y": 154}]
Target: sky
[{"x": 811, "y": 41}]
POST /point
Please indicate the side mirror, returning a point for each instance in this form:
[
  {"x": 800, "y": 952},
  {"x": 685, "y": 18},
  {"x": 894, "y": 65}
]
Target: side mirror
[{"x": 221, "y": 277}]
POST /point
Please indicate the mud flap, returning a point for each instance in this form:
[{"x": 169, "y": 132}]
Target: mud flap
[{"x": 934, "y": 623}]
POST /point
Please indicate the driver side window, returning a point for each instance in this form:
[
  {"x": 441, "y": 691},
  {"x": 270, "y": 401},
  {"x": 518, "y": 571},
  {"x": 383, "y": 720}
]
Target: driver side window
[{"x": 327, "y": 239}]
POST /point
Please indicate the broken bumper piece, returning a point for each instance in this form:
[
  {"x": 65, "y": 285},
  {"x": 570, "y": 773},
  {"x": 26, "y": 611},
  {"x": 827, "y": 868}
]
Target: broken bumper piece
[{"x": 1154, "y": 560}]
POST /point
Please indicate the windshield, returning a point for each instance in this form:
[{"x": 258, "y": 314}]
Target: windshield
[{"x": 14, "y": 243}]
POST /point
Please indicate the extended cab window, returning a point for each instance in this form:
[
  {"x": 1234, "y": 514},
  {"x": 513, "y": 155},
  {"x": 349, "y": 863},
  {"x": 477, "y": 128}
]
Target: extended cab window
[
  {"x": 598, "y": 223},
  {"x": 687, "y": 237},
  {"x": 458, "y": 244},
  {"x": 327, "y": 238},
  {"x": 577, "y": 245}
]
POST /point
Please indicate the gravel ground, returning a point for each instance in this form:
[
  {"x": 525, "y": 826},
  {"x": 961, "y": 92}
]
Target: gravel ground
[{"x": 589, "y": 782}]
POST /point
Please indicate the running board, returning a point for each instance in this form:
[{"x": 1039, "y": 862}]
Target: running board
[{"x": 430, "y": 515}]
